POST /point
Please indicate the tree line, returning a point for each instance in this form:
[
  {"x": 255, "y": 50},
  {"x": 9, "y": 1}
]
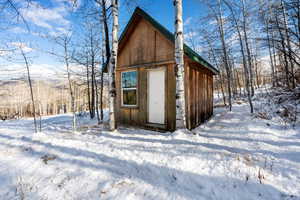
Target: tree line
[
  {"x": 239, "y": 34},
  {"x": 51, "y": 98}
]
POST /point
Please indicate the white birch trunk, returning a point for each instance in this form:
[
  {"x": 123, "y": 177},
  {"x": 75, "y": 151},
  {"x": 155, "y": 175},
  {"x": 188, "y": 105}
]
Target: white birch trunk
[
  {"x": 112, "y": 66},
  {"x": 179, "y": 68}
]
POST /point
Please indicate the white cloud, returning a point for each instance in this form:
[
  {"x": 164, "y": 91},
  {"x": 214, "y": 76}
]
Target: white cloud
[
  {"x": 45, "y": 17},
  {"x": 59, "y": 32},
  {"x": 37, "y": 71},
  {"x": 213, "y": 22},
  {"x": 4, "y": 52},
  {"x": 265, "y": 63},
  {"x": 22, "y": 46},
  {"x": 234, "y": 39},
  {"x": 17, "y": 30},
  {"x": 45, "y": 70},
  {"x": 71, "y": 5},
  {"x": 190, "y": 35},
  {"x": 62, "y": 30},
  {"x": 187, "y": 21}
]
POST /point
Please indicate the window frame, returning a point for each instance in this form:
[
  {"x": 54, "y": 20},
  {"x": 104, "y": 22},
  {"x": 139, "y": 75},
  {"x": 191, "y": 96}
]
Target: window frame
[{"x": 133, "y": 88}]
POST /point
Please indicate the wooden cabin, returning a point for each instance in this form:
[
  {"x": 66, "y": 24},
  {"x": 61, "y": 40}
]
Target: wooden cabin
[{"x": 145, "y": 78}]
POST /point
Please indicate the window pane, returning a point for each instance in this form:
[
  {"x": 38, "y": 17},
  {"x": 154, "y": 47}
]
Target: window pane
[
  {"x": 129, "y": 97},
  {"x": 129, "y": 79}
]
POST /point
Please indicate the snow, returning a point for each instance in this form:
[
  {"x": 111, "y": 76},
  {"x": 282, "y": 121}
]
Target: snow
[{"x": 235, "y": 155}]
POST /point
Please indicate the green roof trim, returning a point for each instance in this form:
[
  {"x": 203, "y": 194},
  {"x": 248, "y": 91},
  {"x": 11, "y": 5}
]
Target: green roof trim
[{"x": 187, "y": 50}]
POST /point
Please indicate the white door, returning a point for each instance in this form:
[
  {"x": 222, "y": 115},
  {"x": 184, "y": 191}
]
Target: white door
[{"x": 156, "y": 96}]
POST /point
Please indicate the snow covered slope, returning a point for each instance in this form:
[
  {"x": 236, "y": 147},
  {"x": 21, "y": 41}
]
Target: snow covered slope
[{"x": 233, "y": 156}]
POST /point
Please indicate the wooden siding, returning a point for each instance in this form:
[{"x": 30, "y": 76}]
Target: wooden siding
[
  {"x": 139, "y": 115},
  {"x": 145, "y": 48},
  {"x": 199, "y": 95},
  {"x": 145, "y": 45}
]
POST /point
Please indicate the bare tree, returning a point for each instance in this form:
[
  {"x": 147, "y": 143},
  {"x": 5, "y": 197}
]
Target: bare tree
[
  {"x": 64, "y": 41},
  {"x": 246, "y": 40},
  {"x": 238, "y": 30},
  {"x": 218, "y": 15},
  {"x": 10, "y": 12},
  {"x": 266, "y": 19},
  {"x": 288, "y": 41},
  {"x": 30, "y": 86},
  {"x": 282, "y": 30},
  {"x": 105, "y": 30}
]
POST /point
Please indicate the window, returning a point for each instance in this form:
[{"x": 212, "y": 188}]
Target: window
[{"x": 129, "y": 91}]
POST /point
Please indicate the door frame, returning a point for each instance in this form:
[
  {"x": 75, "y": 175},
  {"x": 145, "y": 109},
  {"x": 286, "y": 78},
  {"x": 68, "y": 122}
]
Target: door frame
[{"x": 164, "y": 69}]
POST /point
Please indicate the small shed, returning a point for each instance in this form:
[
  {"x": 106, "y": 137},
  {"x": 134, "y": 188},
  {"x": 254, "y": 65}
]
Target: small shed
[{"x": 146, "y": 82}]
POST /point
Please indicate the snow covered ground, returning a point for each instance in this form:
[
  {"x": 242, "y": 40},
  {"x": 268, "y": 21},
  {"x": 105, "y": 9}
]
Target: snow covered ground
[{"x": 234, "y": 155}]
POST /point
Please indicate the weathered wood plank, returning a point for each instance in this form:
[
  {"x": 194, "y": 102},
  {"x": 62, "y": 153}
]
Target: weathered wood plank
[
  {"x": 202, "y": 98},
  {"x": 143, "y": 44},
  {"x": 194, "y": 97},
  {"x": 205, "y": 96},
  {"x": 197, "y": 98},
  {"x": 171, "y": 98},
  {"x": 142, "y": 94},
  {"x": 205, "y": 92},
  {"x": 212, "y": 95},
  {"x": 187, "y": 95},
  {"x": 134, "y": 116},
  {"x": 191, "y": 98},
  {"x": 125, "y": 113},
  {"x": 118, "y": 96}
]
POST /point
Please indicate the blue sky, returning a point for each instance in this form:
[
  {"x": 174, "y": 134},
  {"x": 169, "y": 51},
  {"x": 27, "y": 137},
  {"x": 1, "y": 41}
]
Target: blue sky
[
  {"x": 163, "y": 11},
  {"x": 55, "y": 16}
]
